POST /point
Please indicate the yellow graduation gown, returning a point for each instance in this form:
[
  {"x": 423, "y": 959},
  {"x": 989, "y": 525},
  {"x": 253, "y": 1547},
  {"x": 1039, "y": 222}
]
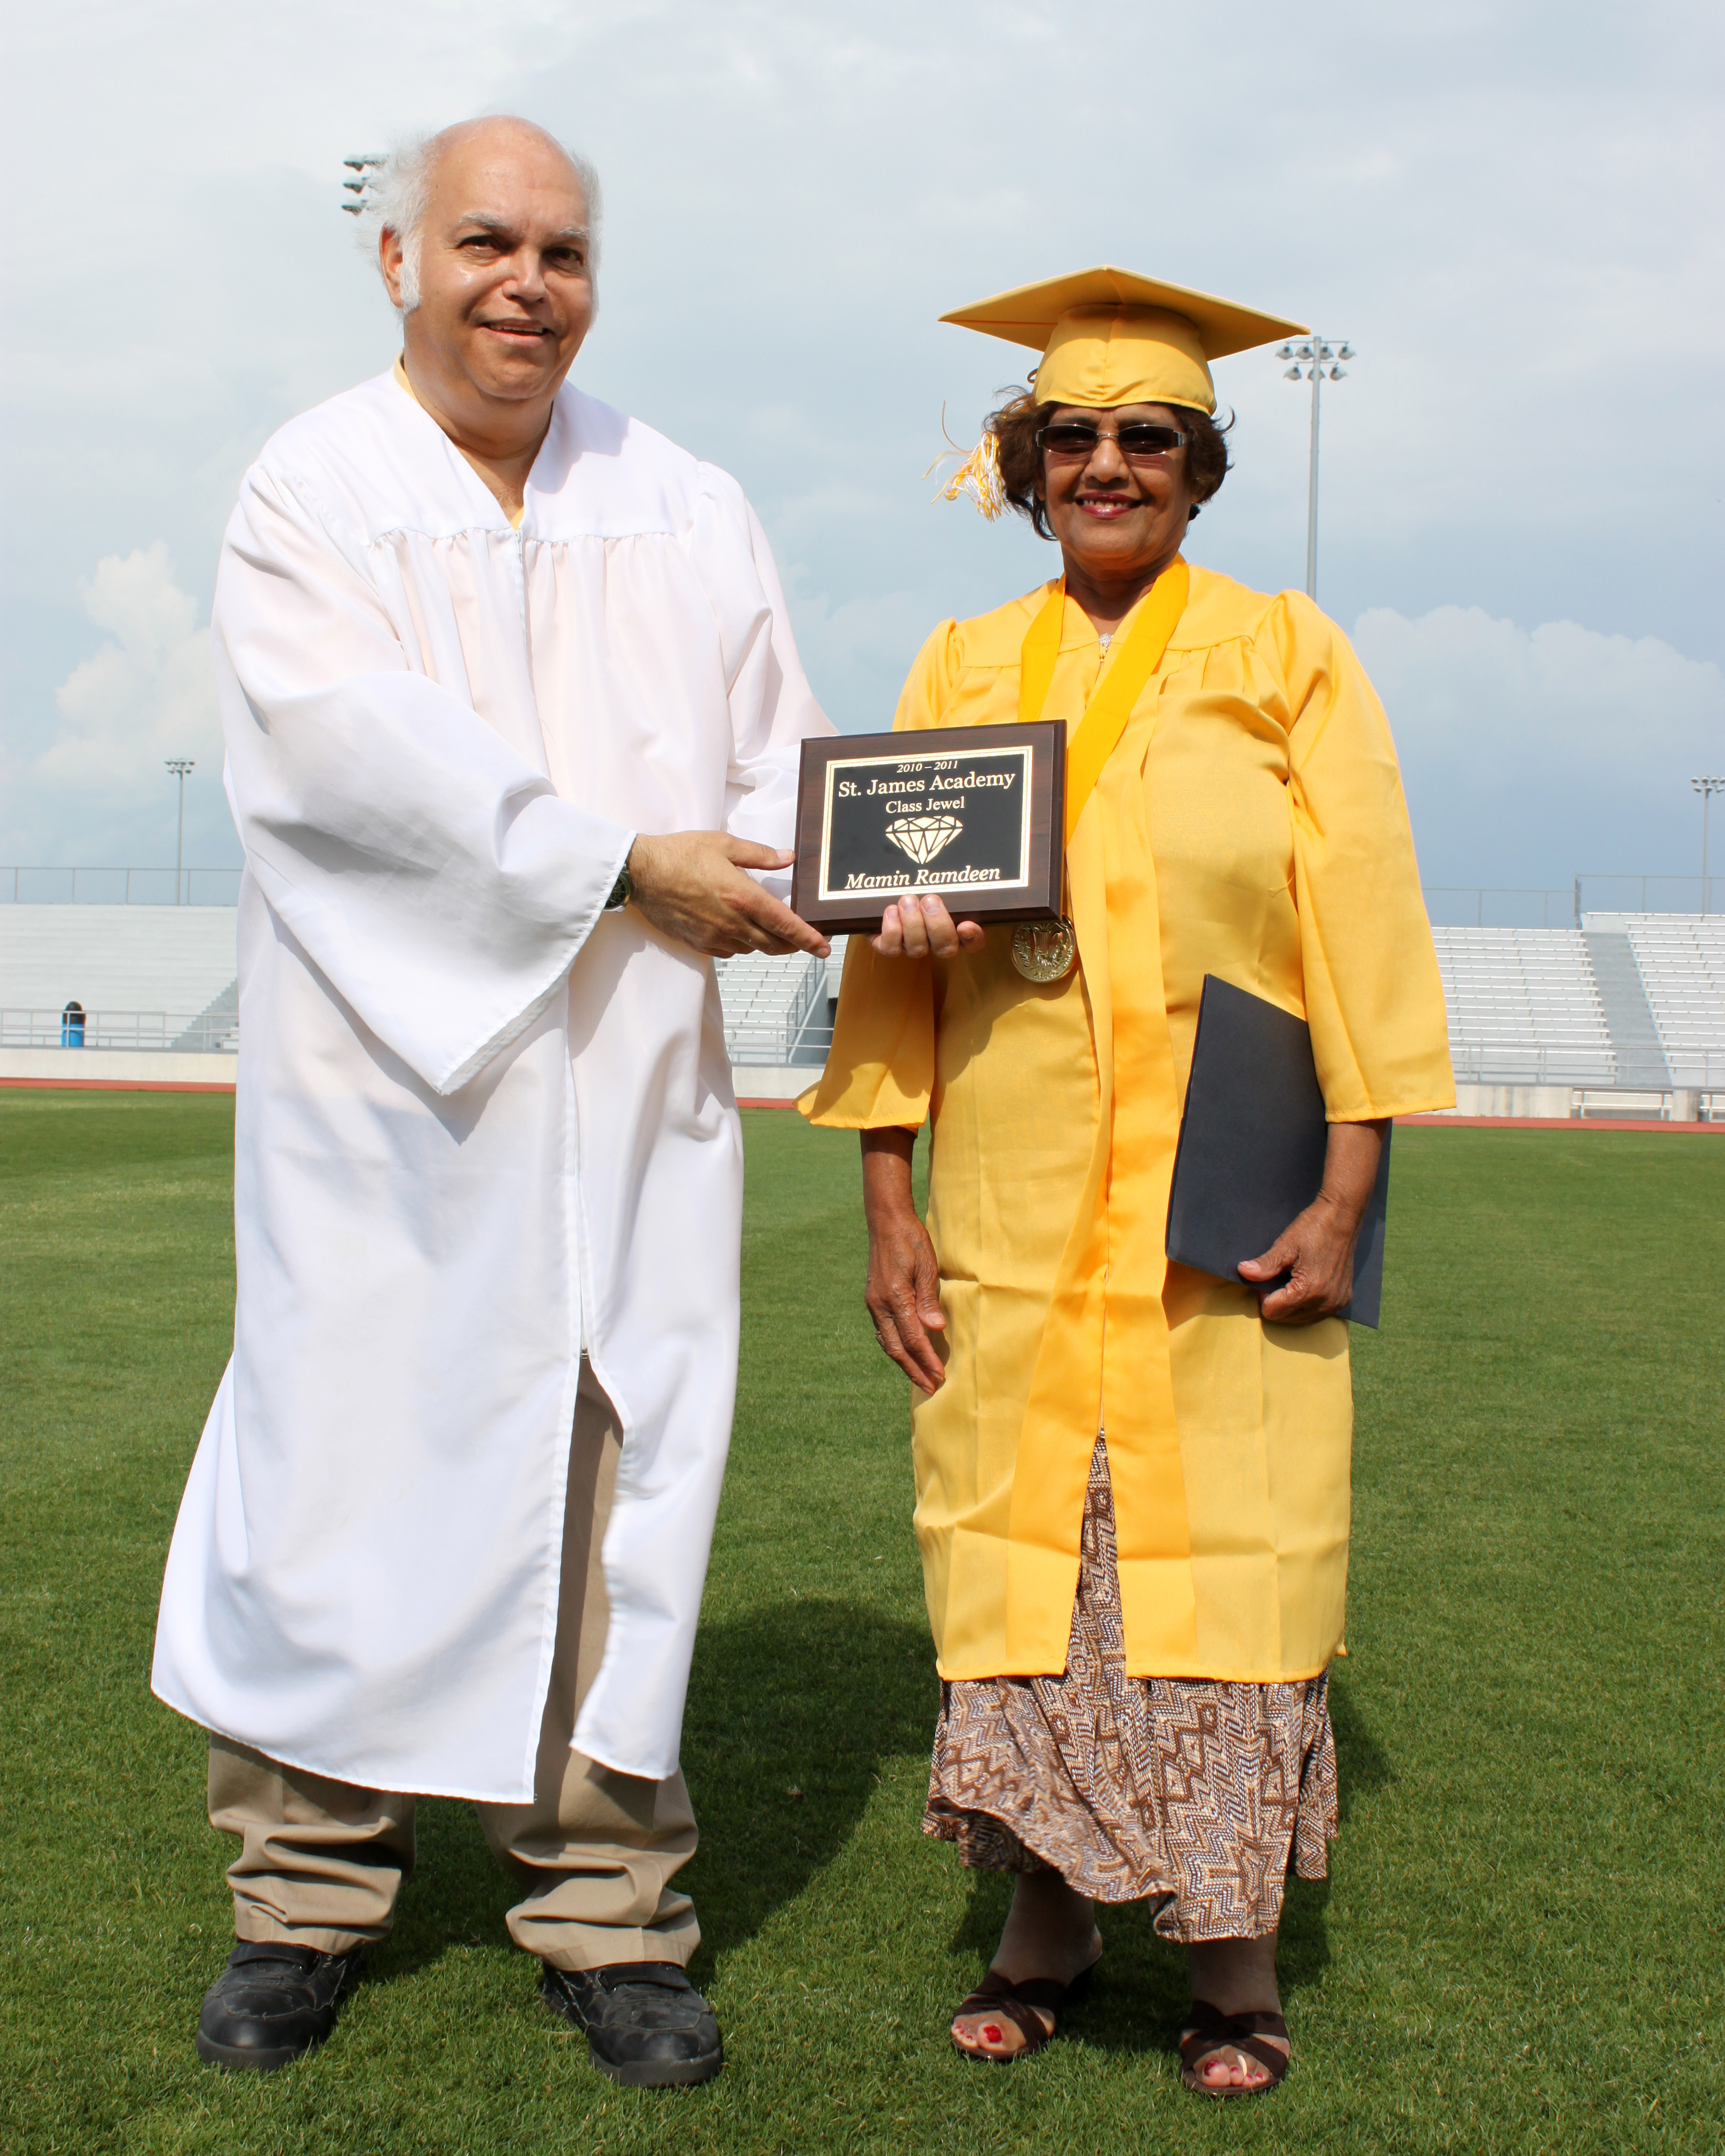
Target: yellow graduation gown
[{"x": 1251, "y": 824}]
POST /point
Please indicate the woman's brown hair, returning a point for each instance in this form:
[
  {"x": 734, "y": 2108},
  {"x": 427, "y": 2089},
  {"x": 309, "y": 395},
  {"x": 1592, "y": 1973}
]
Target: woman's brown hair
[{"x": 1015, "y": 424}]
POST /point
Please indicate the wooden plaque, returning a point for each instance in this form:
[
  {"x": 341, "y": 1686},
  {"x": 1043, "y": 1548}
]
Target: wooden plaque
[{"x": 973, "y": 815}]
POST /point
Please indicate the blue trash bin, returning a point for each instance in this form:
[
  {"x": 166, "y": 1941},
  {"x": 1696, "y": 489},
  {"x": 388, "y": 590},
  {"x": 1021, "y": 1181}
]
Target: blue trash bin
[{"x": 72, "y": 1026}]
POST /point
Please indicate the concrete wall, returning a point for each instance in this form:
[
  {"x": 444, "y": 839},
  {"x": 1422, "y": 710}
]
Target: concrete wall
[
  {"x": 1679, "y": 1106},
  {"x": 113, "y": 1066},
  {"x": 1543, "y": 1100}
]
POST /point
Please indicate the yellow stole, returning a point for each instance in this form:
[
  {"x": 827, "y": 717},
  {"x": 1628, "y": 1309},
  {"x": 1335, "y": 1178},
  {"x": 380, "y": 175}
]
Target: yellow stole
[
  {"x": 1104, "y": 1359},
  {"x": 1156, "y": 617}
]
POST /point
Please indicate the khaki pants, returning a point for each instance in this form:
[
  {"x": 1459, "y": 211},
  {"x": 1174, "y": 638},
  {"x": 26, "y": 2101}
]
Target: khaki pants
[{"x": 321, "y": 1862}]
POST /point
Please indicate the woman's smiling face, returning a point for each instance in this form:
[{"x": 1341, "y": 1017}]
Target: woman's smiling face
[{"x": 1114, "y": 520}]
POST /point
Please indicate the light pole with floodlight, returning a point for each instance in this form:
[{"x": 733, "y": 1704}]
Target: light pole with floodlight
[
  {"x": 179, "y": 765},
  {"x": 1706, "y": 788},
  {"x": 1312, "y": 361},
  {"x": 359, "y": 187}
]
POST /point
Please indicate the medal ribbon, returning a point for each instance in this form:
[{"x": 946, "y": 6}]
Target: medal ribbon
[{"x": 1097, "y": 733}]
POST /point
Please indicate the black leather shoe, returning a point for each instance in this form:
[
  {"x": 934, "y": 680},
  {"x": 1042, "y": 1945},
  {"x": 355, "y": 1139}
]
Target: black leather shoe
[
  {"x": 273, "y": 2002},
  {"x": 647, "y": 2026}
]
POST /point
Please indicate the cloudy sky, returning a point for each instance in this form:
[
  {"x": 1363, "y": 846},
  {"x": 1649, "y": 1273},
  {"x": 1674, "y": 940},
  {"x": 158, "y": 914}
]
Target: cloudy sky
[{"x": 1513, "y": 210}]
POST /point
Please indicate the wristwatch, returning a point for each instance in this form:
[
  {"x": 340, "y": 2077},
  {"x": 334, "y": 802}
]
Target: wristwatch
[{"x": 622, "y": 891}]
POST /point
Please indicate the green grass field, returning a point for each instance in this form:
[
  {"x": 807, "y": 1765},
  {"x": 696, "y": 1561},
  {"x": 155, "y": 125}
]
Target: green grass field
[{"x": 1520, "y": 1946}]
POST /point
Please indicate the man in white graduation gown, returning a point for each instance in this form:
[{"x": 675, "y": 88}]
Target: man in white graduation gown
[{"x": 512, "y": 705}]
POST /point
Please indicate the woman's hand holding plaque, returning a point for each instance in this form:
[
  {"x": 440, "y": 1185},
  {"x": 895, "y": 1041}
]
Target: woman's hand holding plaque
[{"x": 913, "y": 928}]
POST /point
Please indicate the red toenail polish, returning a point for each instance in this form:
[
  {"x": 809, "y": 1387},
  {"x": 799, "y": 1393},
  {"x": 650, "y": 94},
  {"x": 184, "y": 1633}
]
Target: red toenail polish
[{"x": 992, "y": 2034}]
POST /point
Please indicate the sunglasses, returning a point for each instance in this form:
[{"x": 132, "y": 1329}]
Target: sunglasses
[{"x": 1142, "y": 443}]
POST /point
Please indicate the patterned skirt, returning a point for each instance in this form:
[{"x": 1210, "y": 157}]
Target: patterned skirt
[{"x": 1198, "y": 1795}]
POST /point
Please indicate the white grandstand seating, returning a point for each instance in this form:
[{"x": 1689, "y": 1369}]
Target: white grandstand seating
[
  {"x": 775, "y": 1009},
  {"x": 163, "y": 976},
  {"x": 1527, "y": 1007},
  {"x": 145, "y": 975},
  {"x": 1523, "y": 1008},
  {"x": 1681, "y": 961}
]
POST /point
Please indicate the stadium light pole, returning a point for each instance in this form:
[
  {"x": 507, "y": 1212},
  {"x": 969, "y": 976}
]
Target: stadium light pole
[
  {"x": 179, "y": 765},
  {"x": 1312, "y": 361},
  {"x": 1706, "y": 788},
  {"x": 362, "y": 169}
]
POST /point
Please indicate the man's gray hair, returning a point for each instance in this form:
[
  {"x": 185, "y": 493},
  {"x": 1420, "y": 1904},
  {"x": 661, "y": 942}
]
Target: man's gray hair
[{"x": 398, "y": 192}]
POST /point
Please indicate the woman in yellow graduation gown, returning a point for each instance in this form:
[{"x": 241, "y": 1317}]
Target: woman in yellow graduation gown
[{"x": 1132, "y": 1479}]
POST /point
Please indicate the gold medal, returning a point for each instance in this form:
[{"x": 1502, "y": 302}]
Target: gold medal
[{"x": 1045, "y": 950}]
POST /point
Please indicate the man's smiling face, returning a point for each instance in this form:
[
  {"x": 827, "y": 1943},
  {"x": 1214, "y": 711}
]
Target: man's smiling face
[{"x": 506, "y": 277}]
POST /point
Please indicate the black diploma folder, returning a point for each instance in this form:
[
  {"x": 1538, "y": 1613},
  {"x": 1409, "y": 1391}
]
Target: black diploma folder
[{"x": 1252, "y": 1142}]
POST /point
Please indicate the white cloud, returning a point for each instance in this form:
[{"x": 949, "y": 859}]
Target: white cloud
[
  {"x": 856, "y": 653},
  {"x": 1513, "y": 700},
  {"x": 1556, "y": 747},
  {"x": 144, "y": 696}
]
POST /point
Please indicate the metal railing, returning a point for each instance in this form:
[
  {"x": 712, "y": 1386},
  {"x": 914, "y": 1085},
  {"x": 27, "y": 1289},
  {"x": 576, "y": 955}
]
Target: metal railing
[
  {"x": 800, "y": 1035},
  {"x": 1523, "y": 1063},
  {"x": 1464, "y": 905},
  {"x": 1671, "y": 894},
  {"x": 208, "y": 1033},
  {"x": 749, "y": 1044},
  {"x": 1514, "y": 906},
  {"x": 82, "y": 886},
  {"x": 1459, "y": 905},
  {"x": 1529, "y": 905},
  {"x": 1518, "y": 1063}
]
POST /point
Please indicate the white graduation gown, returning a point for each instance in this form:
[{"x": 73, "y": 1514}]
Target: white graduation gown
[{"x": 479, "y": 1122}]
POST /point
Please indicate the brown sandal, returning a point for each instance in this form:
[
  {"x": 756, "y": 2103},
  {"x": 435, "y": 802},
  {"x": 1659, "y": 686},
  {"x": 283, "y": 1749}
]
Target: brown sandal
[
  {"x": 1208, "y": 2028},
  {"x": 1017, "y": 2003}
]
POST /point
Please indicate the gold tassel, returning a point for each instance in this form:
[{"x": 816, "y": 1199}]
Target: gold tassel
[{"x": 978, "y": 475}]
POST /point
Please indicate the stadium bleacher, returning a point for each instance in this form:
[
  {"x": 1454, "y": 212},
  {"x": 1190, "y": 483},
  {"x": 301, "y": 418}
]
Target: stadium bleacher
[
  {"x": 163, "y": 976},
  {"x": 1681, "y": 959},
  {"x": 145, "y": 976},
  {"x": 776, "y": 1010},
  {"x": 1523, "y": 1008},
  {"x": 1625, "y": 1014}
]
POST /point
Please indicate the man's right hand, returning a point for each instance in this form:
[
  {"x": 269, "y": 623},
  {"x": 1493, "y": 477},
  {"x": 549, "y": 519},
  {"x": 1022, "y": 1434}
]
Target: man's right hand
[{"x": 690, "y": 885}]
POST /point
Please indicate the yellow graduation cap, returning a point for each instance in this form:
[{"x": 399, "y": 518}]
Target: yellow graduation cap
[{"x": 1108, "y": 336}]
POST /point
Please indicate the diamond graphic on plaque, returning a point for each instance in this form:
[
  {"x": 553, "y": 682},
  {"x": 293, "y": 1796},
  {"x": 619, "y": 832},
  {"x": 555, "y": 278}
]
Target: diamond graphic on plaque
[{"x": 922, "y": 837}]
